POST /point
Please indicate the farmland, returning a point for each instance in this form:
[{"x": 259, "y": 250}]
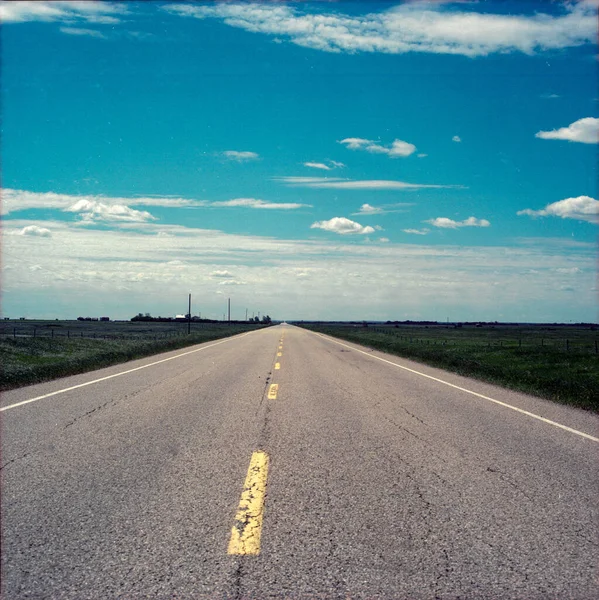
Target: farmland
[
  {"x": 558, "y": 362},
  {"x": 35, "y": 351}
]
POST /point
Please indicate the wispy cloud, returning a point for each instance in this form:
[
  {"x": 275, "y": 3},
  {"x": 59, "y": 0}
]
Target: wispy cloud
[
  {"x": 584, "y": 130},
  {"x": 332, "y": 164},
  {"x": 86, "y": 32},
  {"x": 582, "y": 208},
  {"x": 256, "y": 203},
  {"x": 349, "y": 184},
  {"x": 446, "y": 223},
  {"x": 397, "y": 149},
  {"x": 342, "y": 226},
  {"x": 368, "y": 209},
  {"x": 75, "y": 11},
  {"x": 15, "y": 200},
  {"x": 411, "y": 27},
  {"x": 240, "y": 156},
  {"x": 417, "y": 231}
]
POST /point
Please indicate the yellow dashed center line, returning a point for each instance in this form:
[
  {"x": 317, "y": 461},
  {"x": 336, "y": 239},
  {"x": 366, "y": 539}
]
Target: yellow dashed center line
[
  {"x": 272, "y": 391},
  {"x": 277, "y": 366},
  {"x": 245, "y": 534},
  {"x": 279, "y": 354}
]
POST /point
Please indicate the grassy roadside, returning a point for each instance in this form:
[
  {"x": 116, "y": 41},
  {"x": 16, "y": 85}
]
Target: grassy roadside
[
  {"x": 28, "y": 360},
  {"x": 543, "y": 370}
]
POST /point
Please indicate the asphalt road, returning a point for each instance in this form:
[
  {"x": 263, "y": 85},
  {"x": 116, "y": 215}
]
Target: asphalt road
[{"x": 380, "y": 482}]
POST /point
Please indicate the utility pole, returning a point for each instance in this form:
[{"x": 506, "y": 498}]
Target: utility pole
[
  {"x": 229, "y": 310},
  {"x": 189, "y": 316},
  {"x": 246, "y": 314}
]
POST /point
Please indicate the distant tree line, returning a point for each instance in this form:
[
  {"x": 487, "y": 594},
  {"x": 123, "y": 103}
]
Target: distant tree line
[{"x": 266, "y": 320}]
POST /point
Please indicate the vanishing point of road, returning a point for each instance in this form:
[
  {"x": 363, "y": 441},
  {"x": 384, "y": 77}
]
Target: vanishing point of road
[{"x": 285, "y": 464}]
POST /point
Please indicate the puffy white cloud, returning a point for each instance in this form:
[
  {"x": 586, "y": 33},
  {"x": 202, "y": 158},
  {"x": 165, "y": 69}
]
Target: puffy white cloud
[
  {"x": 384, "y": 240},
  {"x": 417, "y": 231},
  {"x": 222, "y": 274},
  {"x": 398, "y": 148},
  {"x": 255, "y": 203},
  {"x": 582, "y": 208},
  {"x": 91, "y": 210},
  {"x": 342, "y": 226},
  {"x": 446, "y": 223},
  {"x": 456, "y": 138},
  {"x": 409, "y": 27},
  {"x": 240, "y": 156},
  {"x": 349, "y": 184},
  {"x": 36, "y": 231},
  {"x": 91, "y": 12},
  {"x": 368, "y": 209},
  {"x": 584, "y": 130}
]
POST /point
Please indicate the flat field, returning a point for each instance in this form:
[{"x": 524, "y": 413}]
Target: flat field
[
  {"x": 35, "y": 351},
  {"x": 558, "y": 362}
]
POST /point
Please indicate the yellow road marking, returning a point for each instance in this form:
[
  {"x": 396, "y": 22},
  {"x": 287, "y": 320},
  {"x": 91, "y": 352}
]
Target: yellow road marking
[
  {"x": 279, "y": 354},
  {"x": 277, "y": 366},
  {"x": 281, "y": 347},
  {"x": 272, "y": 392},
  {"x": 245, "y": 534}
]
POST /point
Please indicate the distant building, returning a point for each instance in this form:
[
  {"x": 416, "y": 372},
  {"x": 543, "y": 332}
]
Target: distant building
[{"x": 180, "y": 318}]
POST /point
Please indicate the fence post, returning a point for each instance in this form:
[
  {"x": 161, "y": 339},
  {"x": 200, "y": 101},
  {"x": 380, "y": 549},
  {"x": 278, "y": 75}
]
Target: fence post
[
  {"x": 68, "y": 333},
  {"x": 34, "y": 330},
  {"x": 14, "y": 332}
]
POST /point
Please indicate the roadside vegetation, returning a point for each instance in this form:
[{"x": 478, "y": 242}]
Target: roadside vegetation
[
  {"x": 36, "y": 351},
  {"x": 560, "y": 363}
]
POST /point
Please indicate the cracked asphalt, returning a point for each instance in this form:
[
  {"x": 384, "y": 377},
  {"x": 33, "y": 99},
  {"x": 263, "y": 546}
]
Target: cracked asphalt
[{"x": 381, "y": 483}]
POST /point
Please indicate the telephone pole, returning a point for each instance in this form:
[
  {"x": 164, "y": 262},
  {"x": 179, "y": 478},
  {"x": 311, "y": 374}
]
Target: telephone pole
[
  {"x": 246, "y": 314},
  {"x": 189, "y": 316},
  {"x": 229, "y": 310}
]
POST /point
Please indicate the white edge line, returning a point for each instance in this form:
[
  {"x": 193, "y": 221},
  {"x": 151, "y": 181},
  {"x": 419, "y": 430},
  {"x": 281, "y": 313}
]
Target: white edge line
[
  {"x": 457, "y": 387},
  {"x": 74, "y": 387}
]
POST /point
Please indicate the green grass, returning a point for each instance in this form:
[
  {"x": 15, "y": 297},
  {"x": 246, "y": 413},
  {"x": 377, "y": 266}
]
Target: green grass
[
  {"x": 28, "y": 360},
  {"x": 535, "y": 360}
]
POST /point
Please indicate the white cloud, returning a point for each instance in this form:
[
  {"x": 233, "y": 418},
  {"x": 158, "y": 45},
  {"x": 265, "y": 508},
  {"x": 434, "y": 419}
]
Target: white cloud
[
  {"x": 582, "y": 208},
  {"x": 99, "y": 211},
  {"x": 240, "y": 156},
  {"x": 70, "y": 11},
  {"x": 456, "y": 138},
  {"x": 222, "y": 274},
  {"x": 446, "y": 223},
  {"x": 409, "y": 27},
  {"x": 398, "y": 148},
  {"x": 15, "y": 200},
  {"x": 36, "y": 231},
  {"x": 315, "y": 165},
  {"x": 332, "y": 164},
  {"x": 422, "y": 155},
  {"x": 355, "y": 143},
  {"x": 368, "y": 209},
  {"x": 255, "y": 203},
  {"x": 584, "y": 130},
  {"x": 417, "y": 231},
  {"x": 384, "y": 240},
  {"x": 81, "y": 31},
  {"x": 349, "y": 184},
  {"x": 342, "y": 226}
]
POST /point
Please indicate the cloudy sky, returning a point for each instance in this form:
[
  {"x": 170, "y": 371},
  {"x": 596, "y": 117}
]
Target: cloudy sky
[{"x": 329, "y": 160}]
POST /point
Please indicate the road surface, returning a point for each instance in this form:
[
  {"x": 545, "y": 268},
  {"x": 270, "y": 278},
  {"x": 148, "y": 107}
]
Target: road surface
[{"x": 284, "y": 464}]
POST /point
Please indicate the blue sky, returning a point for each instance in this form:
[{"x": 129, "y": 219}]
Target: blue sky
[{"x": 339, "y": 160}]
